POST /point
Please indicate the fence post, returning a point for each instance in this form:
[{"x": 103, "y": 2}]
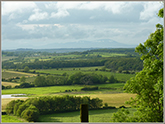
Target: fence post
[{"x": 84, "y": 112}]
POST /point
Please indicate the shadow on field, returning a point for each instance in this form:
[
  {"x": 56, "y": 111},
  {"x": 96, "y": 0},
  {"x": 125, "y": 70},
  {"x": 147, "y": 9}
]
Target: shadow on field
[
  {"x": 48, "y": 119},
  {"x": 103, "y": 111}
]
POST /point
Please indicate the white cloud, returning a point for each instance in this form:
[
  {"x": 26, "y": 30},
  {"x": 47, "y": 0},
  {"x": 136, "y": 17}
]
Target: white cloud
[
  {"x": 150, "y": 10},
  {"x": 60, "y": 13},
  {"x": 38, "y": 16},
  {"x": 15, "y": 6}
]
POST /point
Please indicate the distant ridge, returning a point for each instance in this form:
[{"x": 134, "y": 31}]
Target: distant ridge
[{"x": 100, "y": 43}]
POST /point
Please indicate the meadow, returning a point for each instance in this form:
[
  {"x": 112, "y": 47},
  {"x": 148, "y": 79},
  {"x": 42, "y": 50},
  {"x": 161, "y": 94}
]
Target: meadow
[
  {"x": 113, "y": 97},
  {"x": 94, "y": 116},
  {"x": 10, "y": 118}
]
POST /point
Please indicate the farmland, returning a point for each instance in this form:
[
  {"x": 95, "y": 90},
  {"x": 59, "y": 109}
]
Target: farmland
[{"x": 88, "y": 63}]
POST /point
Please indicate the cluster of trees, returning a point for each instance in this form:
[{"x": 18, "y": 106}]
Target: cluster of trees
[
  {"x": 31, "y": 108},
  {"x": 121, "y": 64}
]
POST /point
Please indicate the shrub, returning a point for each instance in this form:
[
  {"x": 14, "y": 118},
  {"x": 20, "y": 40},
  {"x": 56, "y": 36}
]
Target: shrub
[
  {"x": 105, "y": 105},
  {"x": 122, "y": 107},
  {"x": 31, "y": 114},
  {"x": 3, "y": 87},
  {"x": 17, "y": 77}
]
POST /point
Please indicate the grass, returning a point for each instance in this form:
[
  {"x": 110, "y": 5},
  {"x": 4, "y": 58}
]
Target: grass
[
  {"x": 57, "y": 89},
  {"x": 115, "y": 99},
  {"x": 94, "y": 116},
  {"x": 10, "y": 118},
  {"x": 40, "y": 90}
]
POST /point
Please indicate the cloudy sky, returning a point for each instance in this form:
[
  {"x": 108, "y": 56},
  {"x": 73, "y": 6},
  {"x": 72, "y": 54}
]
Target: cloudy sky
[{"x": 40, "y": 24}]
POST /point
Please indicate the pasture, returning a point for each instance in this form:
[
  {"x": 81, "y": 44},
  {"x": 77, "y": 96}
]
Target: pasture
[
  {"x": 94, "y": 116},
  {"x": 38, "y": 91},
  {"x": 104, "y": 115},
  {"x": 10, "y": 118}
]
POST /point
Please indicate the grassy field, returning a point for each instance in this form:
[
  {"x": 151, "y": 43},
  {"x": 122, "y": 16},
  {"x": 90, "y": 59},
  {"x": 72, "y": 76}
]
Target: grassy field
[
  {"x": 94, "y": 116},
  {"x": 10, "y": 118},
  {"x": 9, "y": 84},
  {"x": 116, "y": 99},
  {"x": 11, "y": 74},
  {"x": 56, "y": 89}
]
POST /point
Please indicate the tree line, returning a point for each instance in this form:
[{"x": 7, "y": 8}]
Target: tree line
[
  {"x": 31, "y": 108},
  {"x": 113, "y": 63}
]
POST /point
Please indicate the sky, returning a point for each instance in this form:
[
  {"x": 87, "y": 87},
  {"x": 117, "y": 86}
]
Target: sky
[{"x": 40, "y": 25}]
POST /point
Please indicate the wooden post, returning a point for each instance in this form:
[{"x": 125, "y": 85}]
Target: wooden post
[{"x": 84, "y": 112}]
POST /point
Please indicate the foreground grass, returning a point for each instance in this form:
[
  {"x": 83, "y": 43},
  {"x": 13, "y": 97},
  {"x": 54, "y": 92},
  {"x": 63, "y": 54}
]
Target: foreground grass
[
  {"x": 94, "y": 116},
  {"x": 10, "y": 118}
]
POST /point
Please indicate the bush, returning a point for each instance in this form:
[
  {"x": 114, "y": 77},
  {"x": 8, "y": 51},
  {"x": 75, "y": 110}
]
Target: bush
[
  {"x": 17, "y": 78},
  {"x": 31, "y": 114},
  {"x": 106, "y": 105},
  {"x": 3, "y": 87},
  {"x": 25, "y": 85},
  {"x": 122, "y": 107}
]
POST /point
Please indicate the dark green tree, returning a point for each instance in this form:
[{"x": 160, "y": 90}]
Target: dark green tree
[
  {"x": 148, "y": 83},
  {"x": 23, "y": 79},
  {"x": 26, "y": 69},
  {"x": 40, "y": 81}
]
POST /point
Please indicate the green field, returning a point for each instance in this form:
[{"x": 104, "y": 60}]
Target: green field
[
  {"x": 10, "y": 118},
  {"x": 94, "y": 116},
  {"x": 57, "y": 89}
]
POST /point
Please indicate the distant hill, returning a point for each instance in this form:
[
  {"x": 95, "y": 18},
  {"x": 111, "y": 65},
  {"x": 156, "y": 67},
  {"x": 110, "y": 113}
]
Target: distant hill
[{"x": 101, "y": 43}]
